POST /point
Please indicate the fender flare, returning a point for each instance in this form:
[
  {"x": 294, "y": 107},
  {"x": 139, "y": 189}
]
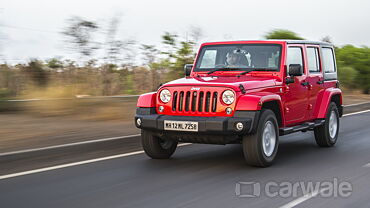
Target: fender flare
[
  {"x": 147, "y": 100},
  {"x": 322, "y": 107},
  {"x": 255, "y": 101}
]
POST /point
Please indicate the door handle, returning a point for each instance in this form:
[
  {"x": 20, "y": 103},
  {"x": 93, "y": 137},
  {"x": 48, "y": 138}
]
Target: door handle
[
  {"x": 305, "y": 83},
  {"x": 320, "y": 82}
]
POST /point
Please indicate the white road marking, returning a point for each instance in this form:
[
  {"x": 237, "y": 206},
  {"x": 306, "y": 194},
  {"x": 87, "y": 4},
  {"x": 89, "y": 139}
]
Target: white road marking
[
  {"x": 355, "y": 113},
  {"x": 315, "y": 193},
  {"x": 367, "y": 165},
  {"x": 75, "y": 164},
  {"x": 356, "y": 104},
  {"x": 299, "y": 200},
  {"x": 103, "y": 140},
  {"x": 67, "y": 145},
  {"x": 302, "y": 199}
]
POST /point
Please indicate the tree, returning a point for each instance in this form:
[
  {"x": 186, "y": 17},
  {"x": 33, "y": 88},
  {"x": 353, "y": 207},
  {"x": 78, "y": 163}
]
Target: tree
[
  {"x": 196, "y": 34},
  {"x": 283, "y": 34},
  {"x": 347, "y": 76},
  {"x": 113, "y": 46},
  {"x": 358, "y": 59},
  {"x": 2, "y": 38},
  {"x": 79, "y": 36},
  {"x": 38, "y": 74},
  {"x": 54, "y": 63},
  {"x": 117, "y": 50},
  {"x": 150, "y": 53},
  {"x": 327, "y": 39},
  {"x": 179, "y": 53},
  {"x": 169, "y": 40}
]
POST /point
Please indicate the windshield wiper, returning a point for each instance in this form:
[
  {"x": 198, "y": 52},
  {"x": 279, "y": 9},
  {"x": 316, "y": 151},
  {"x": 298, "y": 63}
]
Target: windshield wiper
[
  {"x": 255, "y": 69},
  {"x": 222, "y": 69},
  {"x": 246, "y": 72}
]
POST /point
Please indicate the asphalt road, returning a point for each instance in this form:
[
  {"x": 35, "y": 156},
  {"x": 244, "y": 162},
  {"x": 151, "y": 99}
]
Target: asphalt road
[{"x": 204, "y": 176}]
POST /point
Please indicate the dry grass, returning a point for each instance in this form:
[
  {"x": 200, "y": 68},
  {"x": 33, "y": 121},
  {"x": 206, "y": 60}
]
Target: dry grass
[
  {"x": 354, "y": 96},
  {"x": 85, "y": 109},
  {"x": 60, "y": 101},
  {"x": 101, "y": 109}
]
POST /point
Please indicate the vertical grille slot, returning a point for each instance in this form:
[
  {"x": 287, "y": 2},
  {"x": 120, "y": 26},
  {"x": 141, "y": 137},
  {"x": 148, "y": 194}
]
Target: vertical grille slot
[
  {"x": 174, "y": 102},
  {"x": 208, "y": 100},
  {"x": 181, "y": 100},
  {"x": 200, "y": 102},
  {"x": 194, "y": 101},
  {"x": 187, "y": 101},
  {"x": 214, "y": 102}
]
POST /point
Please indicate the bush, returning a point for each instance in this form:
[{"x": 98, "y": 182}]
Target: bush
[
  {"x": 283, "y": 34},
  {"x": 347, "y": 76}
]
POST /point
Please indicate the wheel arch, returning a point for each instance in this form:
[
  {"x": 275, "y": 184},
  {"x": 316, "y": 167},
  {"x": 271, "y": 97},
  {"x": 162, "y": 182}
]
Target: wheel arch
[
  {"x": 262, "y": 100},
  {"x": 330, "y": 95},
  {"x": 275, "y": 106}
]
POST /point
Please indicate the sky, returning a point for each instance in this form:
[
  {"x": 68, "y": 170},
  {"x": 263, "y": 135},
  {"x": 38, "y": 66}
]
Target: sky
[{"x": 32, "y": 28}]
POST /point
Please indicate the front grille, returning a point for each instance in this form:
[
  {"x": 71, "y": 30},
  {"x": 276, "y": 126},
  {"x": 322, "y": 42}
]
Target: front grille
[{"x": 195, "y": 101}]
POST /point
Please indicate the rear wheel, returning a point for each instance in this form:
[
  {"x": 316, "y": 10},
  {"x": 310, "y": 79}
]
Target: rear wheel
[
  {"x": 156, "y": 147},
  {"x": 261, "y": 147},
  {"x": 327, "y": 135}
]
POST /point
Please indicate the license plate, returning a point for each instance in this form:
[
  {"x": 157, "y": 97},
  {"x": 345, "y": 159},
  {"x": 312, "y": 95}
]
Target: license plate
[{"x": 181, "y": 126}]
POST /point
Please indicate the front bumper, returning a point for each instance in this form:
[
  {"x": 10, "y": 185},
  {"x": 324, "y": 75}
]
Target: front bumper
[{"x": 212, "y": 127}]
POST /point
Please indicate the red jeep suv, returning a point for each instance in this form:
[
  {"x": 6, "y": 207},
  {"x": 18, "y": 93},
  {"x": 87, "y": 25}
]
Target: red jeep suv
[{"x": 247, "y": 92}]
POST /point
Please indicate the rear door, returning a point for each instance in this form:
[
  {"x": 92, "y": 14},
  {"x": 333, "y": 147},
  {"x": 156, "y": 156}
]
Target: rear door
[
  {"x": 314, "y": 78},
  {"x": 296, "y": 93}
]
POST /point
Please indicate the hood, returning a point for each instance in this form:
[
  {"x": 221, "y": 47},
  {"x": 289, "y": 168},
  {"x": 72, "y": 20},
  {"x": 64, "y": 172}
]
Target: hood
[{"x": 248, "y": 82}]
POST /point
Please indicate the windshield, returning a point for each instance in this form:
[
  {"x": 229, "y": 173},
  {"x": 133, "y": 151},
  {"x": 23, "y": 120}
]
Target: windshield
[{"x": 239, "y": 56}]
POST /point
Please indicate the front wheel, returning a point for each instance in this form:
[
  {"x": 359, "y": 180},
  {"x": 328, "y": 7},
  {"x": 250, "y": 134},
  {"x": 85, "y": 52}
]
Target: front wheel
[
  {"x": 327, "y": 135},
  {"x": 156, "y": 147},
  {"x": 261, "y": 147}
]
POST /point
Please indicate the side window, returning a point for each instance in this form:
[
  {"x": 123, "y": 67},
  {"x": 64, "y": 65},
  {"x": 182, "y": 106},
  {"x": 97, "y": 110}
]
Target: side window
[
  {"x": 313, "y": 59},
  {"x": 328, "y": 59},
  {"x": 295, "y": 56}
]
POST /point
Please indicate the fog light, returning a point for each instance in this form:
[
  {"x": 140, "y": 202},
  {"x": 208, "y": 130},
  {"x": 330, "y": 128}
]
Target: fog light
[
  {"x": 239, "y": 126},
  {"x": 229, "y": 111},
  {"x": 161, "y": 108},
  {"x": 138, "y": 122}
]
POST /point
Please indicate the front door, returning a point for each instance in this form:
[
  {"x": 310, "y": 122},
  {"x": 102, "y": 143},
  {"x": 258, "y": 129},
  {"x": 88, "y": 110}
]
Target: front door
[{"x": 296, "y": 94}]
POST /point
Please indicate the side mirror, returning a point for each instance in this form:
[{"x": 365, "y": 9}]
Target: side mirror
[
  {"x": 187, "y": 69},
  {"x": 295, "y": 70}
]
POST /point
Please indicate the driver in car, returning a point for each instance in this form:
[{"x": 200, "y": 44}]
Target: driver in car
[{"x": 236, "y": 60}]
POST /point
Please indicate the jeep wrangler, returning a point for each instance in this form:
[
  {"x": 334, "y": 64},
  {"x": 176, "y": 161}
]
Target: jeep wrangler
[{"x": 246, "y": 92}]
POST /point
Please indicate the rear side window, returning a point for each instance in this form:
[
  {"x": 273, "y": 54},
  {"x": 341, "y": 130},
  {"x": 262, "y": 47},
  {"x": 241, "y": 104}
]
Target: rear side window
[
  {"x": 313, "y": 59},
  {"x": 328, "y": 59}
]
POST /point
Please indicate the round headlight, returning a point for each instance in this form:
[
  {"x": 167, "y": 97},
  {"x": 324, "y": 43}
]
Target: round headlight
[
  {"x": 228, "y": 97},
  {"x": 165, "y": 96}
]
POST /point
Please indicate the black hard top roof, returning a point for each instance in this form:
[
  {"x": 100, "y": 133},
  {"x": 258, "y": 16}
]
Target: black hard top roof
[
  {"x": 307, "y": 42},
  {"x": 287, "y": 41}
]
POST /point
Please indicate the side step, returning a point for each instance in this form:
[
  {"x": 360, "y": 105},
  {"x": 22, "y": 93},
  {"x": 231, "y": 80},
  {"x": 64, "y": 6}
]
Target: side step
[{"x": 302, "y": 127}]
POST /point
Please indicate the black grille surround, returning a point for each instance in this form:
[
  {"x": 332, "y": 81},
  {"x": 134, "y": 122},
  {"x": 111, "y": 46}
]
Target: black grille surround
[{"x": 195, "y": 101}]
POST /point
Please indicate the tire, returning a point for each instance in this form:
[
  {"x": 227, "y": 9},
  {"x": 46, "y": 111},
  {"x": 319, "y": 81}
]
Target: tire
[
  {"x": 156, "y": 147},
  {"x": 327, "y": 135},
  {"x": 257, "y": 153}
]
